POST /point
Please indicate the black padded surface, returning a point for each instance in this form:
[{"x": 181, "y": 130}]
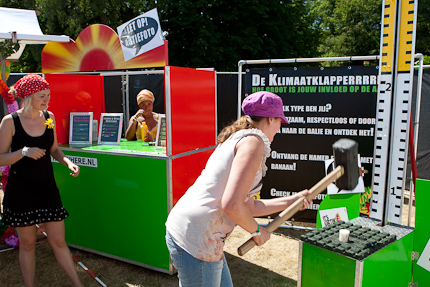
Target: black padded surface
[{"x": 362, "y": 243}]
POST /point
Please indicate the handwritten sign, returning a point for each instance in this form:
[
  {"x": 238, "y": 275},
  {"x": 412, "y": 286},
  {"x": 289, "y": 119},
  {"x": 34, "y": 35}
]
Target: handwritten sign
[
  {"x": 110, "y": 128},
  {"x": 161, "y": 132},
  {"x": 140, "y": 35},
  {"x": 81, "y": 129}
]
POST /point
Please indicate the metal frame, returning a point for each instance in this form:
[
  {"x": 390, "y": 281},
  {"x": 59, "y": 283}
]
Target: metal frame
[
  {"x": 167, "y": 97},
  {"x": 416, "y": 125},
  {"x": 383, "y": 106},
  {"x": 125, "y": 87},
  {"x": 299, "y": 271},
  {"x": 358, "y": 273}
]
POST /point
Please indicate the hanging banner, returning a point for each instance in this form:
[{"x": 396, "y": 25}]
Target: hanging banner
[
  {"x": 140, "y": 34},
  {"x": 322, "y": 106}
]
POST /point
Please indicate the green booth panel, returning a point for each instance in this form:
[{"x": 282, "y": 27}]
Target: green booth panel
[
  {"x": 118, "y": 205},
  {"x": 349, "y": 200},
  {"x": 389, "y": 266},
  {"x": 323, "y": 268},
  {"x": 422, "y": 237}
]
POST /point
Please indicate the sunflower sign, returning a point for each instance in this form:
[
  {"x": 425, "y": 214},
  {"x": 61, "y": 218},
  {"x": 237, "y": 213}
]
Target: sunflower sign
[{"x": 140, "y": 35}]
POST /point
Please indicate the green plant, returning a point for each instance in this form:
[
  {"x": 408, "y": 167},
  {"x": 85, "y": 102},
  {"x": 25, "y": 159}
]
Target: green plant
[{"x": 7, "y": 48}]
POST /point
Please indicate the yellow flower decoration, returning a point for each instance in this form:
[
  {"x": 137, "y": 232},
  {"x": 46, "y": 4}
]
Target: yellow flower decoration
[{"x": 49, "y": 123}]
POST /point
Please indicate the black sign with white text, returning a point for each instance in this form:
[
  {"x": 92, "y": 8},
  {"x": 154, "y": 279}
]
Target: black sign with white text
[
  {"x": 322, "y": 106},
  {"x": 110, "y": 128}
]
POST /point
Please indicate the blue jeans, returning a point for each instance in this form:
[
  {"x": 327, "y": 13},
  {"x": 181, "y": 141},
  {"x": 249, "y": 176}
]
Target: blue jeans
[{"x": 193, "y": 272}]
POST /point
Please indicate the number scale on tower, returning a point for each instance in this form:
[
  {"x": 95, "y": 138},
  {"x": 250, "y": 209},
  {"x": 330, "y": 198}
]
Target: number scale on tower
[{"x": 393, "y": 109}]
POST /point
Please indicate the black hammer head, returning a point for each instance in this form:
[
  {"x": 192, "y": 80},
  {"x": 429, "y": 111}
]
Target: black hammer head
[{"x": 346, "y": 154}]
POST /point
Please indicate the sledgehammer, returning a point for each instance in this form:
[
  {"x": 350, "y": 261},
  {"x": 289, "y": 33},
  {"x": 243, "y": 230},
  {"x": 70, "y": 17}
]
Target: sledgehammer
[{"x": 346, "y": 175}]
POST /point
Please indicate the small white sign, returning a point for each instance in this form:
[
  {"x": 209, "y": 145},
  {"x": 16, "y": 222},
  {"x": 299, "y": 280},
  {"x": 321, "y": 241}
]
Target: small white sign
[
  {"x": 330, "y": 216},
  {"x": 140, "y": 34},
  {"x": 424, "y": 260},
  {"x": 81, "y": 161}
]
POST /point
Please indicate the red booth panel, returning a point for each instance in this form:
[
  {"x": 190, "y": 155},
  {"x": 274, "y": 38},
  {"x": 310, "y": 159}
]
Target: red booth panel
[
  {"x": 185, "y": 171},
  {"x": 193, "y": 114},
  {"x": 74, "y": 93}
]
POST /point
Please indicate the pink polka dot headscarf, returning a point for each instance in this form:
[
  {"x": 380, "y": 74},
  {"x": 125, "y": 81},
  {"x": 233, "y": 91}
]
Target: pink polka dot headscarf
[{"x": 29, "y": 85}]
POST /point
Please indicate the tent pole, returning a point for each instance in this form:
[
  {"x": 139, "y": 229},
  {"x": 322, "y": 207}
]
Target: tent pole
[{"x": 3, "y": 68}]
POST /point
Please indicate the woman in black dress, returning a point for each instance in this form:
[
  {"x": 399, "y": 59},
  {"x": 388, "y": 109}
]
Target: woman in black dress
[{"x": 28, "y": 140}]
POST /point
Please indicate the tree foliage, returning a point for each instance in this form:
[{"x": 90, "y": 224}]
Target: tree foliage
[
  {"x": 423, "y": 30},
  {"x": 7, "y": 48},
  {"x": 219, "y": 33},
  {"x": 350, "y": 28},
  {"x": 202, "y": 33},
  {"x": 70, "y": 17}
]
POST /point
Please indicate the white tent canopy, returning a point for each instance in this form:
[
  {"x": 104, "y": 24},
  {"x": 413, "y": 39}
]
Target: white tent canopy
[{"x": 22, "y": 26}]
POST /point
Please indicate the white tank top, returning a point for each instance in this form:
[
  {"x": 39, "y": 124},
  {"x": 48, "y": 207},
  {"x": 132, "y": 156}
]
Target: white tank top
[{"x": 197, "y": 222}]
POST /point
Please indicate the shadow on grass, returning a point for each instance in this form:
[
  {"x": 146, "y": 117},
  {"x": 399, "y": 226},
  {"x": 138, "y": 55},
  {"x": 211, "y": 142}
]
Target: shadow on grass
[
  {"x": 117, "y": 273},
  {"x": 291, "y": 233},
  {"x": 111, "y": 272},
  {"x": 246, "y": 274}
]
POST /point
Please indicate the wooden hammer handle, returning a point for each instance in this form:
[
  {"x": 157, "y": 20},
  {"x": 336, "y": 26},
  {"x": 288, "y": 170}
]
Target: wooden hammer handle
[{"x": 295, "y": 207}]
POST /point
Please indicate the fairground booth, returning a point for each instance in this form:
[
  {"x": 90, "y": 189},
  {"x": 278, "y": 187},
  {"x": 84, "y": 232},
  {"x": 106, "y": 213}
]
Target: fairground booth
[
  {"x": 125, "y": 190},
  {"x": 121, "y": 199}
]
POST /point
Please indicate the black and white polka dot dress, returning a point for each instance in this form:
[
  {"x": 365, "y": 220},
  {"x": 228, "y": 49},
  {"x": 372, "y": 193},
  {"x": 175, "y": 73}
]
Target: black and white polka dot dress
[{"x": 31, "y": 194}]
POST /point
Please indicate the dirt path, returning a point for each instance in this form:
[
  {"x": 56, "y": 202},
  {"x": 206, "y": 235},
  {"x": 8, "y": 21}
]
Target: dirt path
[{"x": 273, "y": 264}]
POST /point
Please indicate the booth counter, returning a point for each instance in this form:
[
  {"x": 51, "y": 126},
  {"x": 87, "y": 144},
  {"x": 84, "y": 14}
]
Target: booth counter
[{"x": 120, "y": 201}]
